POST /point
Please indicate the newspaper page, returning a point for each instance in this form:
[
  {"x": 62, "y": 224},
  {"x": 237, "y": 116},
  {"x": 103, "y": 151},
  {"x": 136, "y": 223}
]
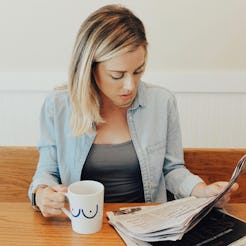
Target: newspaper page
[
  {"x": 166, "y": 221},
  {"x": 240, "y": 167}
]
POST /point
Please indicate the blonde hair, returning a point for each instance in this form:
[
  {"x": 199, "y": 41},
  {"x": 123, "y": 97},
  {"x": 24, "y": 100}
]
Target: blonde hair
[{"x": 110, "y": 31}]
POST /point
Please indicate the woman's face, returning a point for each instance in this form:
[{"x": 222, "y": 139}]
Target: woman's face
[{"x": 118, "y": 77}]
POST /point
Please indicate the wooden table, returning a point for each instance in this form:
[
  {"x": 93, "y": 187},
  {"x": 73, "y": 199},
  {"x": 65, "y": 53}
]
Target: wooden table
[{"x": 20, "y": 225}]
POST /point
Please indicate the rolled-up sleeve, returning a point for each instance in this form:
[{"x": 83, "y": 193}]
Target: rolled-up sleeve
[
  {"x": 179, "y": 180},
  {"x": 47, "y": 171}
]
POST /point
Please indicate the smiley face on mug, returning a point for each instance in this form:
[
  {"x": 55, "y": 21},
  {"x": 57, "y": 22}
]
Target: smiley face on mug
[{"x": 86, "y": 213}]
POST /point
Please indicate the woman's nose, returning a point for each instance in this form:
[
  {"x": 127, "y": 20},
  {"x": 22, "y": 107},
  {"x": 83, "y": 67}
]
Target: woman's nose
[{"x": 129, "y": 84}]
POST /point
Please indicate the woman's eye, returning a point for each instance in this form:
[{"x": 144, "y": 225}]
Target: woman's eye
[
  {"x": 138, "y": 72},
  {"x": 117, "y": 77},
  {"x": 120, "y": 76}
]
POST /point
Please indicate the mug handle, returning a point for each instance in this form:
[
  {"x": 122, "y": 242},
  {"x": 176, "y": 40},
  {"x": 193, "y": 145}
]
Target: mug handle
[{"x": 64, "y": 210}]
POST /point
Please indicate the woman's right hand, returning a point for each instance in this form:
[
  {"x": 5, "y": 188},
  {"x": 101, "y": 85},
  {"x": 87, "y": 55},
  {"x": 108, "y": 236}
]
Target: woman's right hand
[{"x": 50, "y": 201}]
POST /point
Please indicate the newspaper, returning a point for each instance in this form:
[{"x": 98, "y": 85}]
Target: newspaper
[{"x": 167, "y": 221}]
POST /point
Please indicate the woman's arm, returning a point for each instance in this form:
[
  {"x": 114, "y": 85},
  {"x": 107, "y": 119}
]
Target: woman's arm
[
  {"x": 179, "y": 180},
  {"x": 47, "y": 172}
]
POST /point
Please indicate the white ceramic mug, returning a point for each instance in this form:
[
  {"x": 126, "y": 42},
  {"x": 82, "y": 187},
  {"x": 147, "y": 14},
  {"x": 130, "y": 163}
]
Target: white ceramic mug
[{"x": 86, "y": 200}]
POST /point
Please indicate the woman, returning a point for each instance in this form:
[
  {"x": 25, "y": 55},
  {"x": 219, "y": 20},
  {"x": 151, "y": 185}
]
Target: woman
[{"x": 109, "y": 126}]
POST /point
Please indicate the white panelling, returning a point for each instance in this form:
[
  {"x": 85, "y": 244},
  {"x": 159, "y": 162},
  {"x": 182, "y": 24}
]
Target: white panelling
[
  {"x": 213, "y": 120},
  {"x": 30, "y": 81},
  {"x": 212, "y": 106},
  {"x": 202, "y": 42},
  {"x": 219, "y": 82},
  {"x": 212, "y": 82},
  {"x": 19, "y": 114}
]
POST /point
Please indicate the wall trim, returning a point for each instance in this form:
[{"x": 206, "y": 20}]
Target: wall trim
[{"x": 179, "y": 82}]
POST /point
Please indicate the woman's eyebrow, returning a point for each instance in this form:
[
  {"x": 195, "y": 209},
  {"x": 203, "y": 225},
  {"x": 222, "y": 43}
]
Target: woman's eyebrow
[{"x": 119, "y": 71}]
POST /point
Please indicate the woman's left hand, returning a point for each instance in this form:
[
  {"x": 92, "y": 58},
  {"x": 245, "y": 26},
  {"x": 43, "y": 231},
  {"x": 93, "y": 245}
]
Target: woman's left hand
[{"x": 203, "y": 190}]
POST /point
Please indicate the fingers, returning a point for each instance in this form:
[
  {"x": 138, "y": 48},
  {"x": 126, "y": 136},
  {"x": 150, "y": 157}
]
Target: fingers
[
  {"x": 54, "y": 204},
  {"x": 223, "y": 201},
  {"x": 50, "y": 201},
  {"x": 214, "y": 189},
  {"x": 50, "y": 212},
  {"x": 234, "y": 187},
  {"x": 60, "y": 188},
  {"x": 221, "y": 185},
  {"x": 217, "y": 187}
]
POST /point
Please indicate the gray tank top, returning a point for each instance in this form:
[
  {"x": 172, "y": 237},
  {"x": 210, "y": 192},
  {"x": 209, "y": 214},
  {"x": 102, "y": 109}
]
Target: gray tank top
[{"x": 117, "y": 167}]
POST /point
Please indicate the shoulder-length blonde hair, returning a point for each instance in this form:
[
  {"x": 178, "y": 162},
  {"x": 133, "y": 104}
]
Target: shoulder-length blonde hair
[{"x": 108, "y": 32}]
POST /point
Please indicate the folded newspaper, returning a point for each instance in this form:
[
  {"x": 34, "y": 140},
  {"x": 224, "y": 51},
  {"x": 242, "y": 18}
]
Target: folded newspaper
[{"x": 167, "y": 221}]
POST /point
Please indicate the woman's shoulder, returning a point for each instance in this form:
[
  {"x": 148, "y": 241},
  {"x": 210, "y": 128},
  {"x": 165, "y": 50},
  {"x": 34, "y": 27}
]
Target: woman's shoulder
[{"x": 58, "y": 97}]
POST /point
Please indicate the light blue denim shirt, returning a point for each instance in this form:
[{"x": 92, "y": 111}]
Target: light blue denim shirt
[{"x": 155, "y": 132}]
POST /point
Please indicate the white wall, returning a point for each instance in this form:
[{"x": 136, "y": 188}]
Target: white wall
[{"x": 197, "y": 49}]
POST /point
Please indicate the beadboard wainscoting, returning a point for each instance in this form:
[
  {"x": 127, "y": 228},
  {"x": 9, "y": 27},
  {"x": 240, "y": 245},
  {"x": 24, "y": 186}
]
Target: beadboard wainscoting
[{"x": 212, "y": 106}]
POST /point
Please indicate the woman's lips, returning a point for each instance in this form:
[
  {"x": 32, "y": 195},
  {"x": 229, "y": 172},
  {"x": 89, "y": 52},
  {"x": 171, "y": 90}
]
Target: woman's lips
[{"x": 126, "y": 96}]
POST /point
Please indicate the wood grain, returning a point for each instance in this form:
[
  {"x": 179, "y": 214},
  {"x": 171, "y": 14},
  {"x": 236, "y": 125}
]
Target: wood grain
[
  {"x": 18, "y": 164},
  {"x": 20, "y": 225},
  {"x": 217, "y": 165},
  {"x": 237, "y": 209}
]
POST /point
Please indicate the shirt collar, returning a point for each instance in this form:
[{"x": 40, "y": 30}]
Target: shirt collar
[{"x": 140, "y": 99}]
